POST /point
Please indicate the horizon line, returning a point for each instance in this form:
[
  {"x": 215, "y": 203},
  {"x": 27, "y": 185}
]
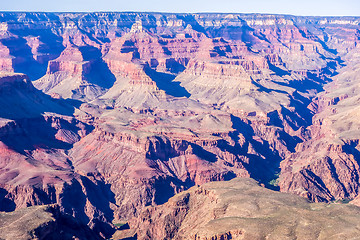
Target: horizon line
[{"x": 159, "y": 12}]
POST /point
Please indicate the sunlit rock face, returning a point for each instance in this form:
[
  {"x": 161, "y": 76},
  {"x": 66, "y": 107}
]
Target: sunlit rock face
[
  {"x": 241, "y": 209},
  {"x": 105, "y": 114}
]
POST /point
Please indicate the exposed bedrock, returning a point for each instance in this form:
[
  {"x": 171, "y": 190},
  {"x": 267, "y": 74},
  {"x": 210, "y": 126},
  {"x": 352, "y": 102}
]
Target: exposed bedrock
[{"x": 107, "y": 114}]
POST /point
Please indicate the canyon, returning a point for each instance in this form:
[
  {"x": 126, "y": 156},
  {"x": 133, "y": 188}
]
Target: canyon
[{"x": 105, "y": 117}]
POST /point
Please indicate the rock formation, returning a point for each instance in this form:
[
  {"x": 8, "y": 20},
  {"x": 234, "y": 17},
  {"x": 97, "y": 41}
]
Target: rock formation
[
  {"x": 120, "y": 111},
  {"x": 42, "y": 222},
  {"x": 241, "y": 209}
]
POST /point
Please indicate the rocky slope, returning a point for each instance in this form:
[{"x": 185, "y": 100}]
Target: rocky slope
[
  {"x": 241, "y": 209},
  {"x": 42, "y": 222},
  {"x": 136, "y": 107},
  {"x": 325, "y": 166}
]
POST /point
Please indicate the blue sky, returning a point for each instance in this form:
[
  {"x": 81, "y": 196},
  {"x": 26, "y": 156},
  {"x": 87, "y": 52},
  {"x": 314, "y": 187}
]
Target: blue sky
[{"x": 295, "y": 7}]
